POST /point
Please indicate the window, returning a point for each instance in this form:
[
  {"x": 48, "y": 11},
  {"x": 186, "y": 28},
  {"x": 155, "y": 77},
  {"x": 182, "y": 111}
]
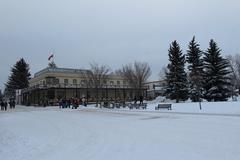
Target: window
[
  {"x": 90, "y": 82},
  {"x": 49, "y": 80},
  {"x": 65, "y": 81},
  {"x": 52, "y": 80},
  {"x": 124, "y": 82},
  {"x": 118, "y": 82},
  {"x": 74, "y": 81},
  {"x": 56, "y": 81},
  {"x": 103, "y": 94},
  {"x": 104, "y": 82},
  {"x": 83, "y": 82},
  {"x": 111, "y": 83}
]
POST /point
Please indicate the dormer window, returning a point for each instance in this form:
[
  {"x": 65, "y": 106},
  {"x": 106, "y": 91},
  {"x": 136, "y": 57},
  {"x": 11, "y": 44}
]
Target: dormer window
[
  {"x": 74, "y": 81},
  {"x": 65, "y": 81},
  {"x": 111, "y": 82}
]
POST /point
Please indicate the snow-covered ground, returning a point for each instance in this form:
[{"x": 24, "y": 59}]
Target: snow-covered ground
[{"x": 89, "y": 133}]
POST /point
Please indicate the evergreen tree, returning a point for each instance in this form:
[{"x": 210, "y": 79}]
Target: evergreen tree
[
  {"x": 216, "y": 74},
  {"x": 19, "y": 78},
  {"x": 176, "y": 76},
  {"x": 1, "y": 95},
  {"x": 196, "y": 70}
]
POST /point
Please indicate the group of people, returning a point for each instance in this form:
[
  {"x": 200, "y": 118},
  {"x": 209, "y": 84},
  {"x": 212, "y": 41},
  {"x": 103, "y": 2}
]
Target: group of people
[
  {"x": 140, "y": 100},
  {"x": 74, "y": 102},
  {"x": 4, "y": 104}
]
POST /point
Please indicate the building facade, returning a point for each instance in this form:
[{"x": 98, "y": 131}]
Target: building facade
[
  {"x": 53, "y": 84},
  {"x": 155, "y": 88}
]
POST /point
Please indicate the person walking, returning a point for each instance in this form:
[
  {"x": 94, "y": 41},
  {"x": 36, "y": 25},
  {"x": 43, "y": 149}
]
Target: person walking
[
  {"x": 2, "y": 105},
  {"x": 135, "y": 100},
  {"x": 141, "y": 100},
  {"x": 10, "y": 104},
  {"x": 68, "y": 103},
  {"x": 60, "y": 103},
  {"x": 5, "y": 105},
  {"x": 84, "y": 101},
  {"x": 63, "y": 103},
  {"x": 13, "y": 104}
]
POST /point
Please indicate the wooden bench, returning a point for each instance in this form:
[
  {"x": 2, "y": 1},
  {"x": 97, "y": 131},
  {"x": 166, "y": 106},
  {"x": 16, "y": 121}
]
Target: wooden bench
[
  {"x": 128, "y": 105},
  {"x": 123, "y": 104},
  {"x": 144, "y": 106},
  {"x": 133, "y": 105},
  {"x": 137, "y": 106},
  {"x": 117, "y": 105},
  {"x": 112, "y": 105},
  {"x": 164, "y": 106}
]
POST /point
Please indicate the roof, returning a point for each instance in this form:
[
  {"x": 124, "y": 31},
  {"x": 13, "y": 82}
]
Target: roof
[
  {"x": 60, "y": 70},
  {"x": 154, "y": 82}
]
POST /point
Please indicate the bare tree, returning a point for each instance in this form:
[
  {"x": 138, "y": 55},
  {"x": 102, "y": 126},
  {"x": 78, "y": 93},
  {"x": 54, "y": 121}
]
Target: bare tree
[
  {"x": 96, "y": 77},
  {"x": 235, "y": 68},
  {"x": 162, "y": 73},
  {"x": 1, "y": 95},
  {"x": 136, "y": 74}
]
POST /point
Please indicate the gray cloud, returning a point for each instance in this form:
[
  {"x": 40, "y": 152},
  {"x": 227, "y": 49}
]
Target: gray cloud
[{"x": 112, "y": 32}]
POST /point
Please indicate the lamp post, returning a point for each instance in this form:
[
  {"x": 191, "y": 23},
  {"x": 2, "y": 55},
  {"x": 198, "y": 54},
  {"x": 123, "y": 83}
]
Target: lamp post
[
  {"x": 65, "y": 89},
  {"x": 154, "y": 92},
  {"x": 124, "y": 93},
  {"x": 76, "y": 91},
  {"x": 199, "y": 98},
  {"x": 115, "y": 93},
  {"x": 87, "y": 92}
]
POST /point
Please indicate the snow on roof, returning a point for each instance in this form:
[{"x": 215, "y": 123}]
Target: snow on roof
[{"x": 60, "y": 70}]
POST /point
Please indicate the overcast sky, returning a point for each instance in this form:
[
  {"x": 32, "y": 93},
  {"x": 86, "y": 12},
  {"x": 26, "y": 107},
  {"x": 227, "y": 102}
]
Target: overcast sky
[{"x": 111, "y": 32}]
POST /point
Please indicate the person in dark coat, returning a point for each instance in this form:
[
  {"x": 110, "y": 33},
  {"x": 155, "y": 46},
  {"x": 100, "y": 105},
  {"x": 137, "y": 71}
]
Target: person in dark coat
[
  {"x": 135, "y": 100},
  {"x": 2, "y": 105},
  {"x": 10, "y": 104},
  {"x": 84, "y": 101},
  {"x": 63, "y": 103},
  {"x": 141, "y": 100},
  {"x": 13, "y": 104},
  {"x": 44, "y": 103},
  {"x": 60, "y": 103},
  {"x": 5, "y": 105},
  {"x": 68, "y": 103}
]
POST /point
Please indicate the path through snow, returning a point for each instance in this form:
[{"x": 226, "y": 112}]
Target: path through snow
[{"x": 93, "y": 134}]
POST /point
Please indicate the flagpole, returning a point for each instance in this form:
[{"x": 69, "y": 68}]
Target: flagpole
[{"x": 51, "y": 60}]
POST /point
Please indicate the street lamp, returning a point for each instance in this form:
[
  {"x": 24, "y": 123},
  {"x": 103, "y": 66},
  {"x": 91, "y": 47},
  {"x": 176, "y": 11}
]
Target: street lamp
[{"x": 76, "y": 91}]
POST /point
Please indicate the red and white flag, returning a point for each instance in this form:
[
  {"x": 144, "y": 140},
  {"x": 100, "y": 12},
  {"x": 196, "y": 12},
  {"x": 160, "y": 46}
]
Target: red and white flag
[{"x": 50, "y": 57}]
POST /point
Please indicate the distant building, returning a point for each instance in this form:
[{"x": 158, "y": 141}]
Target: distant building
[
  {"x": 52, "y": 84},
  {"x": 155, "y": 88},
  {"x": 18, "y": 96}
]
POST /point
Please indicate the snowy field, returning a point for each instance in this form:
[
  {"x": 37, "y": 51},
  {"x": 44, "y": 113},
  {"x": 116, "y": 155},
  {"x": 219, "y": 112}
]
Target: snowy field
[{"x": 88, "y": 133}]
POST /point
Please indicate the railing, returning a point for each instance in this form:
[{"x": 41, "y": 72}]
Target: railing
[
  {"x": 78, "y": 86},
  {"x": 60, "y": 70}
]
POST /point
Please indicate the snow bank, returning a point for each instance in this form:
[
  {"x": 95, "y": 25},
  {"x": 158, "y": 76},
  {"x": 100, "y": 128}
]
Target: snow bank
[{"x": 90, "y": 133}]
